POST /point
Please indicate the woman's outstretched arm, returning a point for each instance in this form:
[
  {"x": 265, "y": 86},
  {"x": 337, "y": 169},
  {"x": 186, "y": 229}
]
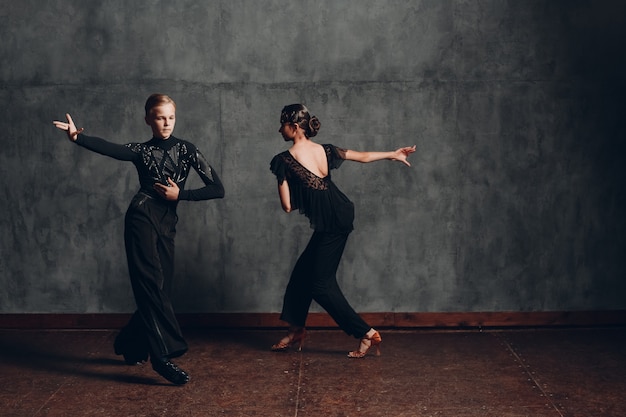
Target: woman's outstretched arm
[{"x": 400, "y": 154}]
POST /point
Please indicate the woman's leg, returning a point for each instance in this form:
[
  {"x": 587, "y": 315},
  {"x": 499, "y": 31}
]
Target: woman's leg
[
  {"x": 297, "y": 299},
  {"x": 327, "y": 254}
]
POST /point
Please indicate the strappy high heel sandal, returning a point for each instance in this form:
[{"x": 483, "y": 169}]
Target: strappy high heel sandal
[
  {"x": 295, "y": 337},
  {"x": 366, "y": 344}
]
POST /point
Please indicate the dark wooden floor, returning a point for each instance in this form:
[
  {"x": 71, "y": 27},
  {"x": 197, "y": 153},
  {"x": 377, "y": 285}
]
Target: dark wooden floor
[{"x": 506, "y": 373}]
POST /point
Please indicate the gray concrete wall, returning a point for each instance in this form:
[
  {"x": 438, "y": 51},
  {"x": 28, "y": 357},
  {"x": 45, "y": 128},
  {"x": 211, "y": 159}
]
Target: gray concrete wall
[{"x": 516, "y": 197}]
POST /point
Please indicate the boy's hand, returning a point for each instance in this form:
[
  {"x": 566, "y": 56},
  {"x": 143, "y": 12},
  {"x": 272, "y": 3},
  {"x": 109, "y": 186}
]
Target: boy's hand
[
  {"x": 168, "y": 192},
  {"x": 69, "y": 127}
]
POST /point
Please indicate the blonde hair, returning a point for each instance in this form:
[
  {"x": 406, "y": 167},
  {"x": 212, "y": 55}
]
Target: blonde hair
[{"x": 157, "y": 99}]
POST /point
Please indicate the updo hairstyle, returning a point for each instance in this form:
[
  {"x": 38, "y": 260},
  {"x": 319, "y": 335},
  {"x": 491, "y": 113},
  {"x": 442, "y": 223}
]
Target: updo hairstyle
[{"x": 299, "y": 114}]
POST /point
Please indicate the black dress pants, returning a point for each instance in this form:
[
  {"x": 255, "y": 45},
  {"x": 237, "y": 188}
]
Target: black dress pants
[
  {"x": 149, "y": 231},
  {"x": 314, "y": 277}
]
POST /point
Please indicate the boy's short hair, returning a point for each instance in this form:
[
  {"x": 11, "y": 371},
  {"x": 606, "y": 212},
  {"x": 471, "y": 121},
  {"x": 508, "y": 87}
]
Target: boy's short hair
[{"x": 157, "y": 99}]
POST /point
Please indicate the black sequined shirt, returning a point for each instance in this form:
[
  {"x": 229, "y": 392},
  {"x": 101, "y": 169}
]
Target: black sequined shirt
[{"x": 158, "y": 159}]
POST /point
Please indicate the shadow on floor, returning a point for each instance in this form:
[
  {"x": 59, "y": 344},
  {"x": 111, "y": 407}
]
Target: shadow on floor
[{"x": 506, "y": 373}]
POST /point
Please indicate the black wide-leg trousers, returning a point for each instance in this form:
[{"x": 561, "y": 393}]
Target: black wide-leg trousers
[
  {"x": 149, "y": 231},
  {"x": 314, "y": 277}
]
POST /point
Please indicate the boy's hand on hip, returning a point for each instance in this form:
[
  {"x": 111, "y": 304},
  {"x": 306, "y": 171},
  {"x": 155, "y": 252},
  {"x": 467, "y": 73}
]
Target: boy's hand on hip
[{"x": 168, "y": 192}]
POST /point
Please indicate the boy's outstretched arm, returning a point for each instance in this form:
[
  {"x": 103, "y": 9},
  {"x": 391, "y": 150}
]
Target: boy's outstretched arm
[{"x": 69, "y": 127}]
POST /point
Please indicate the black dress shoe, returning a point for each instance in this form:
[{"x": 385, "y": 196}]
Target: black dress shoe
[
  {"x": 171, "y": 372},
  {"x": 134, "y": 353},
  {"x": 132, "y": 358}
]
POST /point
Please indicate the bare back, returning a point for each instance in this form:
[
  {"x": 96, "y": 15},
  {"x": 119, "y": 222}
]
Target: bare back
[{"x": 312, "y": 156}]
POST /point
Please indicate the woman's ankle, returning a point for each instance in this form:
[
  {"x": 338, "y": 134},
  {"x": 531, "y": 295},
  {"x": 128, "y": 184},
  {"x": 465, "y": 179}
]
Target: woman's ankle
[{"x": 370, "y": 333}]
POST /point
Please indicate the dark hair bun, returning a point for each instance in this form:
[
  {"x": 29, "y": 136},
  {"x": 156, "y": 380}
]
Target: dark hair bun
[{"x": 314, "y": 126}]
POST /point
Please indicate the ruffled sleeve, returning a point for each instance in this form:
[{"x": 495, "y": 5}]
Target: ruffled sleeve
[
  {"x": 277, "y": 166},
  {"x": 335, "y": 156}
]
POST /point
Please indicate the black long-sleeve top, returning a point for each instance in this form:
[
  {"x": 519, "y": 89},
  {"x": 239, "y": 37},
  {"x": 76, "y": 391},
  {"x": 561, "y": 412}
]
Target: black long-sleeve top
[{"x": 159, "y": 159}]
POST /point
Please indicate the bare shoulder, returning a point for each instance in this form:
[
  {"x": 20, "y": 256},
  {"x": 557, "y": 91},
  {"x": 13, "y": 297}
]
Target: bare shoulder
[{"x": 308, "y": 149}]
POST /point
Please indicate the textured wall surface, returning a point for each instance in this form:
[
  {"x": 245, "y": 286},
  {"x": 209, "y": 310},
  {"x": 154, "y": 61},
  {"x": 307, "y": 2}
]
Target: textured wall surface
[{"x": 515, "y": 200}]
